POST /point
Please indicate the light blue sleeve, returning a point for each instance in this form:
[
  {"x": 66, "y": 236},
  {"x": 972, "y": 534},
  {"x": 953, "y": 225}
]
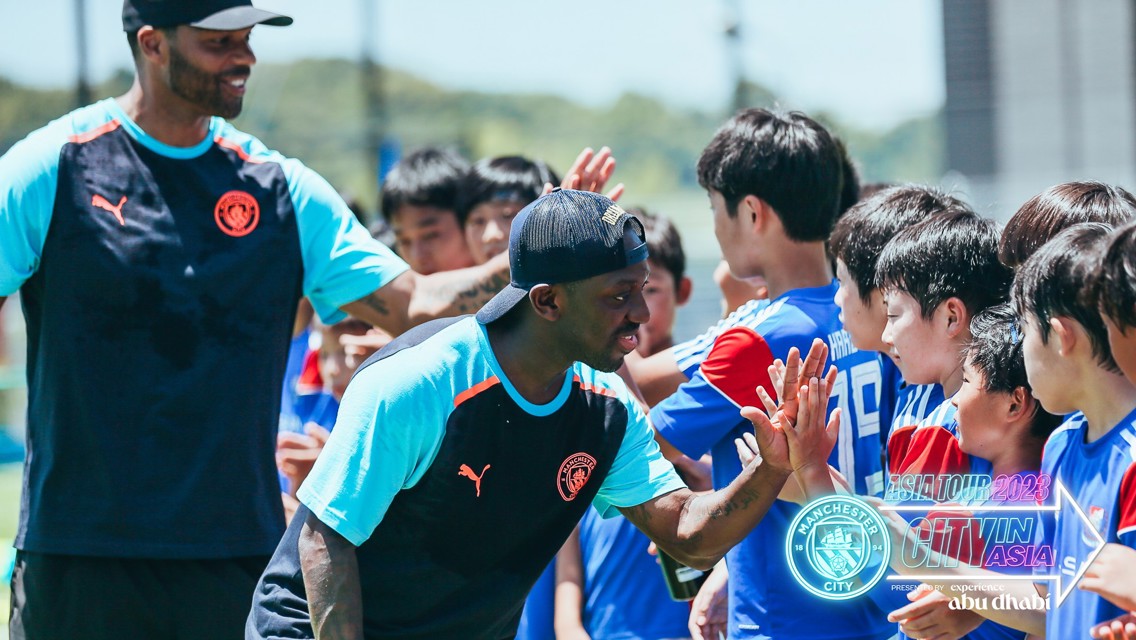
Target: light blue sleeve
[
  {"x": 342, "y": 262},
  {"x": 30, "y": 173},
  {"x": 388, "y": 432},
  {"x": 640, "y": 472}
]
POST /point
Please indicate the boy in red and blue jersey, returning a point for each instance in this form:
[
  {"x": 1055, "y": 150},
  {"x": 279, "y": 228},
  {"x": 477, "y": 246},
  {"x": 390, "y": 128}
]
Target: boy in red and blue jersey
[
  {"x": 774, "y": 181},
  {"x": 935, "y": 277},
  {"x": 857, "y": 240},
  {"x": 1071, "y": 368},
  {"x": 1116, "y": 298}
]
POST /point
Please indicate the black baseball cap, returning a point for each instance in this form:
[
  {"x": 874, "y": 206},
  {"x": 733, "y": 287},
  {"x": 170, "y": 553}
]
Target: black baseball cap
[
  {"x": 564, "y": 236},
  {"x": 221, "y": 15}
]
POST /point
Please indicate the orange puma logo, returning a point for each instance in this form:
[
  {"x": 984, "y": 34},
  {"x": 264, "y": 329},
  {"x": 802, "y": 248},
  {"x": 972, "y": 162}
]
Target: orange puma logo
[
  {"x": 103, "y": 203},
  {"x": 466, "y": 472}
]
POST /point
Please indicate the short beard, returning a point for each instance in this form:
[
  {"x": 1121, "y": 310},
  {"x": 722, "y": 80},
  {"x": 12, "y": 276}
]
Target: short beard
[{"x": 202, "y": 89}]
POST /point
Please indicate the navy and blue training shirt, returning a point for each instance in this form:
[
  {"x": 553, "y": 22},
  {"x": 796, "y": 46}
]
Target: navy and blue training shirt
[{"x": 159, "y": 285}]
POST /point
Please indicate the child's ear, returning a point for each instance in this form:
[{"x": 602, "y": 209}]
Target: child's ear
[
  {"x": 1020, "y": 403},
  {"x": 758, "y": 214},
  {"x": 957, "y": 317},
  {"x": 685, "y": 286},
  {"x": 1063, "y": 332}
]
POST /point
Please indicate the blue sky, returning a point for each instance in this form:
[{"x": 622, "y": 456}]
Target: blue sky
[{"x": 872, "y": 62}]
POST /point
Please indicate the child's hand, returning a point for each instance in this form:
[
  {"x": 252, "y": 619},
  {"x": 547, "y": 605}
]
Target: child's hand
[
  {"x": 1111, "y": 576},
  {"x": 297, "y": 453},
  {"x": 930, "y": 616},
  {"x": 1122, "y": 628}
]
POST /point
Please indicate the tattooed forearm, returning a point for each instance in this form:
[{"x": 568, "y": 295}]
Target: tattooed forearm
[
  {"x": 740, "y": 502},
  {"x": 377, "y": 304},
  {"x": 453, "y": 296}
]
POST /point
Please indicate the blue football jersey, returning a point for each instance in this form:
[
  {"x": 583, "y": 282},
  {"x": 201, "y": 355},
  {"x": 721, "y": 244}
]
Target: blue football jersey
[
  {"x": 703, "y": 415},
  {"x": 1101, "y": 477}
]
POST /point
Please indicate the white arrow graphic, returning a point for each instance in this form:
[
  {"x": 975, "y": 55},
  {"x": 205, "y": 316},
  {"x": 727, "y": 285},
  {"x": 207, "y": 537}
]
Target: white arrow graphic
[{"x": 1062, "y": 589}]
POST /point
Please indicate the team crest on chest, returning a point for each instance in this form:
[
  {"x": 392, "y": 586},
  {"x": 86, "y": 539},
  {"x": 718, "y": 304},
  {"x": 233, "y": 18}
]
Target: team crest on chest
[
  {"x": 237, "y": 213},
  {"x": 574, "y": 474}
]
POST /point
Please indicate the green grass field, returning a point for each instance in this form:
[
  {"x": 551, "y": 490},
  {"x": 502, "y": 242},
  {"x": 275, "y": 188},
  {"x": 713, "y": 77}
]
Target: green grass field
[{"x": 10, "y": 481}]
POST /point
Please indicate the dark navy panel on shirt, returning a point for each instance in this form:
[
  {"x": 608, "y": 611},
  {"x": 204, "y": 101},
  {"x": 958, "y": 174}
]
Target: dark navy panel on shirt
[
  {"x": 158, "y": 345},
  {"x": 463, "y": 539}
]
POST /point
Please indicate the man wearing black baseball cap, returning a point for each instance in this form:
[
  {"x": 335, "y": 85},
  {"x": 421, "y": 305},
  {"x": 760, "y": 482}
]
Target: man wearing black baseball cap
[
  {"x": 468, "y": 449},
  {"x": 160, "y": 255}
]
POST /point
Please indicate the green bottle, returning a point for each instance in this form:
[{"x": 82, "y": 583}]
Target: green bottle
[{"x": 683, "y": 582}]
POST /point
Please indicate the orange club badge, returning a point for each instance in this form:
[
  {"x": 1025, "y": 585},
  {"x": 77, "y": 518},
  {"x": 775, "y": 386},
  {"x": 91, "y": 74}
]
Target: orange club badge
[
  {"x": 574, "y": 474},
  {"x": 237, "y": 213}
]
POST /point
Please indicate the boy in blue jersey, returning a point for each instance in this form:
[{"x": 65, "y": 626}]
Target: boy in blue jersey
[
  {"x": 445, "y": 490},
  {"x": 1111, "y": 575},
  {"x": 1071, "y": 368},
  {"x": 936, "y": 276},
  {"x": 1000, "y": 421},
  {"x": 1093, "y": 454},
  {"x": 857, "y": 240},
  {"x": 774, "y": 181},
  {"x": 608, "y": 585},
  {"x": 343, "y": 347}
]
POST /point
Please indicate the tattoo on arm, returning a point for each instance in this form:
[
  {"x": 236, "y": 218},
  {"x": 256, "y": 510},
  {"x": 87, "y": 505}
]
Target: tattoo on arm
[
  {"x": 377, "y": 304},
  {"x": 462, "y": 297},
  {"x": 639, "y": 515},
  {"x": 740, "y": 502}
]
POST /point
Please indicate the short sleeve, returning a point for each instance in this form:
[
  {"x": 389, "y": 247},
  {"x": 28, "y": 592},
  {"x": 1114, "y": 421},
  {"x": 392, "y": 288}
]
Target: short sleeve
[
  {"x": 386, "y": 436},
  {"x": 1126, "y": 505},
  {"x": 707, "y": 407},
  {"x": 30, "y": 173},
  {"x": 640, "y": 472},
  {"x": 690, "y": 354},
  {"x": 342, "y": 262}
]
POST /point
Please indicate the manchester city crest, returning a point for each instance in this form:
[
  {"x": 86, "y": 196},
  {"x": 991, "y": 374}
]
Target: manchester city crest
[{"x": 838, "y": 547}]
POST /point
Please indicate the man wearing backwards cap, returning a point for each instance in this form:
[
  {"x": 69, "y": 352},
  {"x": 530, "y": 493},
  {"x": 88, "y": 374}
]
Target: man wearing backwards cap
[
  {"x": 467, "y": 449},
  {"x": 160, "y": 254}
]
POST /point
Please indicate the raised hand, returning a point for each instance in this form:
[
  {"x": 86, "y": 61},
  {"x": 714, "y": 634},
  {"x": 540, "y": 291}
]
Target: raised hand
[
  {"x": 786, "y": 376},
  {"x": 590, "y": 172},
  {"x": 810, "y": 438}
]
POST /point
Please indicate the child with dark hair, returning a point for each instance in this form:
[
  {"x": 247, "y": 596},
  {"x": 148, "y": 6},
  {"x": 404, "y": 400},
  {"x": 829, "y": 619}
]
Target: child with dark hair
[
  {"x": 1071, "y": 367},
  {"x": 1071, "y": 370},
  {"x": 493, "y": 191},
  {"x": 419, "y": 201},
  {"x": 774, "y": 181},
  {"x": 857, "y": 240},
  {"x": 1114, "y": 290},
  {"x": 668, "y": 288},
  {"x": 1000, "y": 421},
  {"x": 1060, "y": 207},
  {"x": 936, "y": 276}
]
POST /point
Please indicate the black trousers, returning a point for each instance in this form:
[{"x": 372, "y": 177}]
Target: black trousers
[{"x": 58, "y": 597}]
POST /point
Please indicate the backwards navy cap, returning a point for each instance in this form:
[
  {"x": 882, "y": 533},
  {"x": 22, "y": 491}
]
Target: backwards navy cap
[{"x": 564, "y": 236}]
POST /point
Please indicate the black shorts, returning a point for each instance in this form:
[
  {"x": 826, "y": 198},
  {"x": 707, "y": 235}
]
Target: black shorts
[{"x": 56, "y": 597}]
